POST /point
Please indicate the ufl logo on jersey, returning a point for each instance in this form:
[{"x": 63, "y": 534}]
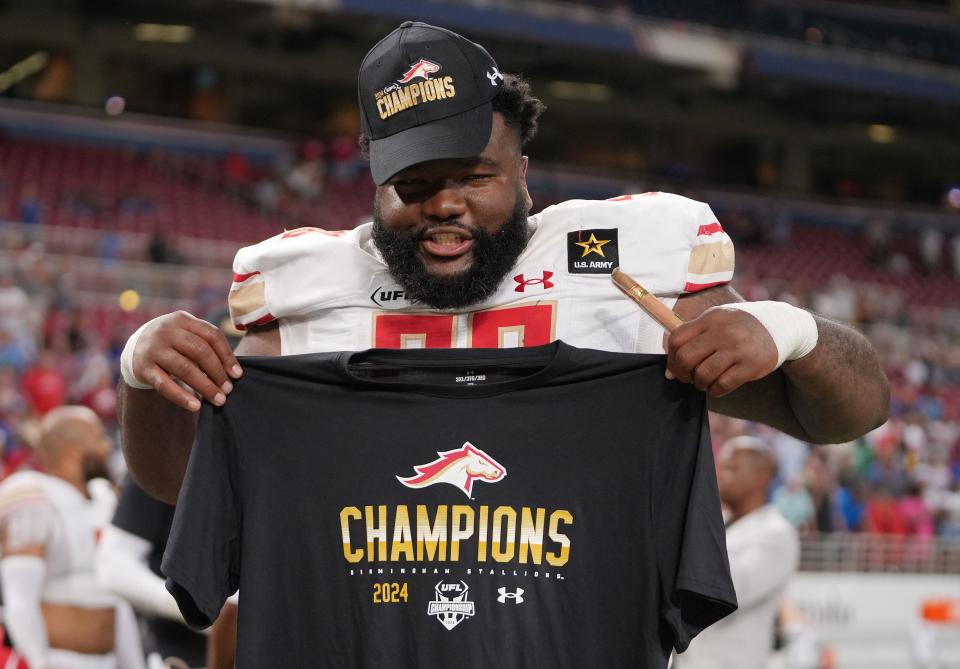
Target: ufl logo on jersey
[
  {"x": 388, "y": 297},
  {"x": 414, "y": 87},
  {"x": 451, "y": 606},
  {"x": 459, "y": 468},
  {"x": 592, "y": 251}
]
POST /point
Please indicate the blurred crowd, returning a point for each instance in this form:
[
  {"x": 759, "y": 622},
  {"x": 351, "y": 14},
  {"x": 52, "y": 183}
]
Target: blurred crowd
[{"x": 901, "y": 479}]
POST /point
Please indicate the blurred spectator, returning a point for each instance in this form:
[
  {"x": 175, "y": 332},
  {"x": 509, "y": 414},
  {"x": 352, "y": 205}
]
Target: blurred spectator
[
  {"x": 305, "y": 180},
  {"x": 267, "y": 195},
  {"x": 15, "y": 352},
  {"x": 159, "y": 251},
  {"x": 44, "y": 383},
  {"x": 237, "y": 172},
  {"x": 791, "y": 455},
  {"x": 109, "y": 246},
  {"x": 917, "y": 518},
  {"x": 31, "y": 209},
  {"x": 931, "y": 249},
  {"x": 849, "y": 504},
  {"x": 955, "y": 253},
  {"x": 131, "y": 201},
  {"x": 839, "y": 302},
  {"x": 950, "y": 506},
  {"x": 344, "y": 154},
  {"x": 795, "y": 503},
  {"x": 56, "y": 614},
  {"x": 743, "y": 228},
  {"x": 128, "y": 564},
  {"x": 884, "y": 515},
  {"x": 820, "y": 485},
  {"x": 879, "y": 235},
  {"x": 764, "y": 551},
  {"x": 15, "y": 308}
]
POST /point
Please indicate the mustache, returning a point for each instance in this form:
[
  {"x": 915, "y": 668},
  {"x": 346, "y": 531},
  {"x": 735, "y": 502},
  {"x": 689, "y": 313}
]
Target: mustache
[{"x": 421, "y": 232}]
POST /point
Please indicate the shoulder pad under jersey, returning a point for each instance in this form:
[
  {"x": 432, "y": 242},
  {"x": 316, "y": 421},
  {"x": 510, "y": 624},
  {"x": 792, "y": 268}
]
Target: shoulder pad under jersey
[
  {"x": 675, "y": 244},
  {"x": 296, "y": 272}
]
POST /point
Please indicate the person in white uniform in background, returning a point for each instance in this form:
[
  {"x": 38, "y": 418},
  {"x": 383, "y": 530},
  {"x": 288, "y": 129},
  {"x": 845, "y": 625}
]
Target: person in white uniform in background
[
  {"x": 128, "y": 565},
  {"x": 764, "y": 551},
  {"x": 57, "y": 616}
]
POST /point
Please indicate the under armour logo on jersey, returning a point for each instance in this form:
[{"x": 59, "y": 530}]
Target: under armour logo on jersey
[
  {"x": 524, "y": 282},
  {"x": 460, "y": 468},
  {"x": 493, "y": 76},
  {"x": 517, "y": 596}
]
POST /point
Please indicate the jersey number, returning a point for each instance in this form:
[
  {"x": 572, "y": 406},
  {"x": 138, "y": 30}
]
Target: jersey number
[{"x": 507, "y": 327}]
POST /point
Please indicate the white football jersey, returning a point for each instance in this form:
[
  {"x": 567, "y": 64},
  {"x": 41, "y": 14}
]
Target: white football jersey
[
  {"x": 331, "y": 291},
  {"x": 37, "y": 509}
]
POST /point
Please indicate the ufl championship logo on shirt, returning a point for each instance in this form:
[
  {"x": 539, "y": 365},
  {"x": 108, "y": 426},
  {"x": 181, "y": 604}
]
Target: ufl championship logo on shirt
[{"x": 451, "y": 606}]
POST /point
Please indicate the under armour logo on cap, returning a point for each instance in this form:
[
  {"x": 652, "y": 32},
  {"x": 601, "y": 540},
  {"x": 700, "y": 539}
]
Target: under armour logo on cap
[{"x": 493, "y": 76}]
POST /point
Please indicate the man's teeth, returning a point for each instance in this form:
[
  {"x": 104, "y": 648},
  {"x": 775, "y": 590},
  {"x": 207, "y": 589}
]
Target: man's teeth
[{"x": 446, "y": 238}]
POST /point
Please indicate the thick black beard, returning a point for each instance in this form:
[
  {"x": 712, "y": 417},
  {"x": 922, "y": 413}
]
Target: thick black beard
[
  {"x": 494, "y": 255},
  {"x": 95, "y": 468}
]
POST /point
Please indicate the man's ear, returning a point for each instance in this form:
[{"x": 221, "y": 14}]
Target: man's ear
[{"x": 524, "y": 161}]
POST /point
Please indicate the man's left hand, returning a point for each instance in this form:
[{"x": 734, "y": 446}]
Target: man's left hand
[{"x": 720, "y": 350}]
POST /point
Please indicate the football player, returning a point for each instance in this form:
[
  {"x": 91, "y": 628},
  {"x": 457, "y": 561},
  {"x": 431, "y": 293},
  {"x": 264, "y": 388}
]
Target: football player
[
  {"x": 56, "y": 613},
  {"x": 453, "y": 258}
]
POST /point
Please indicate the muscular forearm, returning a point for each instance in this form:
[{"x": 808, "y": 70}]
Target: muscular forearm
[
  {"x": 838, "y": 391},
  {"x": 157, "y": 436},
  {"x": 832, "y": 394},
  {"x": 835, "y": 393}
]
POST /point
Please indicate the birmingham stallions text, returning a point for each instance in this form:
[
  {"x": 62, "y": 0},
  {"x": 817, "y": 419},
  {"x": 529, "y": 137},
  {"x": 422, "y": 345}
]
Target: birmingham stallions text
[{"x": 454, "y": 532}]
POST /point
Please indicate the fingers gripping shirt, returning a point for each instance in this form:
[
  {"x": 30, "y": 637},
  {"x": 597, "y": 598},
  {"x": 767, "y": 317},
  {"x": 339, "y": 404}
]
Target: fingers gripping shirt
[
  {"x": 331, "y": 291},
  {"x": 454, "y": 508}
]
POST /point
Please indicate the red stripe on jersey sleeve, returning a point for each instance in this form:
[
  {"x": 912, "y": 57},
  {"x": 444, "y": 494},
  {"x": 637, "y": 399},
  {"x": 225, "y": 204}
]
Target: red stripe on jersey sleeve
[
  {"x": 710, "y": 229},
  {"x": 263, "y": 320},
  {"x": 240, "y": 278},
  {"x": 691, "y": 287}
]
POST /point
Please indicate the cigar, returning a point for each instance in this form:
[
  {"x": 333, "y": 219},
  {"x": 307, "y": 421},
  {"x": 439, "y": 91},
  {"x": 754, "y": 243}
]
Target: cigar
[{"x": 660, "y": 313}]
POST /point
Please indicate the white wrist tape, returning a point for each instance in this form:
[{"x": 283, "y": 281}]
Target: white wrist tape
[
  {"x": 126, "y": 360},
  {"x": 794, "y": 330}
]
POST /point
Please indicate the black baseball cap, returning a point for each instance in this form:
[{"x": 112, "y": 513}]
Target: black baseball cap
[{"x": 425, "y": 94}]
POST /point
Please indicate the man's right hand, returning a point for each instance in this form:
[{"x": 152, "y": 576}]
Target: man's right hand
[{"x": 192, "y": 350}]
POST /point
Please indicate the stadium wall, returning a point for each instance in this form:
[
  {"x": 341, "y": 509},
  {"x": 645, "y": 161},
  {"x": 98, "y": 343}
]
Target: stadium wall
[{"x": 875, "y": 620}]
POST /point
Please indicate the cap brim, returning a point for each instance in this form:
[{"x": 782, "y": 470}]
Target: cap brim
[{"x": 463, "y": 135}]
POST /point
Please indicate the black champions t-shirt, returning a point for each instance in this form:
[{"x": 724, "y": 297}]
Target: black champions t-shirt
[{"x": 539, "y": 507}]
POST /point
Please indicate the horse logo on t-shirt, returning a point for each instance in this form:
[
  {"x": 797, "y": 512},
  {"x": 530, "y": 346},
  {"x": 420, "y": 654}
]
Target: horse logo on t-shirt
[{"x": 459, "y": 467}]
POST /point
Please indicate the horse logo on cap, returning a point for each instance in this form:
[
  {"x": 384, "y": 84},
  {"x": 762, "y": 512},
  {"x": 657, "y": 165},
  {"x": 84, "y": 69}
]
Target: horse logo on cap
[{"x": 423, "y": 68}]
